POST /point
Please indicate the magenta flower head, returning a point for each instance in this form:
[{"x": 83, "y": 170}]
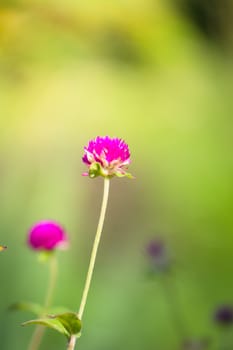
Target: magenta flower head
[
  {"x": 47, "y": 235},
  {"x": 107, "y": 157}
]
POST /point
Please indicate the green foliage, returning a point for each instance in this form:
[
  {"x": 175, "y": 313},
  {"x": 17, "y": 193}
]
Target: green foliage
[
  {"x": 34, "y": 308},
  {"x": 52, "y": 323},
  {"x": 70, "y": 322},
  {"x": 67, "y": 323}
]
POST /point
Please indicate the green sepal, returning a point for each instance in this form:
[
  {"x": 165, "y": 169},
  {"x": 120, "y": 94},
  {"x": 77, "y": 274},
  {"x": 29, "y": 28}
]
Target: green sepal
[
  {"x": 66, "y": 323},
  {"x": 128, "y": 175},
  {"x": 94, "y": 170},
  {"x": 70, "y": 322},
  {"x": 36, "y": 309},
  {"x": 45, "y": 255},
  {"x": 52, "y": 323}
]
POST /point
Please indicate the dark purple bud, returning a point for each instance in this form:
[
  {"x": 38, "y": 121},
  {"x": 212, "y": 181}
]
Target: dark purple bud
[
  {"x": 224, "y": 315},
  {"x": 157, "y": 255},
  {"x": 155, "y": 249}
]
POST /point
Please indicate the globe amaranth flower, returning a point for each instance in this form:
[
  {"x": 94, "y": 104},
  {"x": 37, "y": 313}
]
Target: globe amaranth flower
[
  {"x": 47, "y": 235},
  {"x": 224, "y": 315},
  {"x": 107, "y": 157}
]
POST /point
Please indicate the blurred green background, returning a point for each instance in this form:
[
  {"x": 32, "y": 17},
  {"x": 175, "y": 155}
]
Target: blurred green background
[{"x": 158, "y": 74}]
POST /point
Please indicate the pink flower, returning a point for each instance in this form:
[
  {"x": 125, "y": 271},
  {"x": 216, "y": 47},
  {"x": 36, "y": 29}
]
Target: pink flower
[
  {"x": 47, "y": 235},
  {"x": 107, "y": 157}
]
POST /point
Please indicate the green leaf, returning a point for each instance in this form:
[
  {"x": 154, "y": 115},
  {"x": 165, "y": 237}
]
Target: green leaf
[
  {"x": 27, "y": 306},
  {"x": 52, "y": 323},
  {"x": 70, "y": 322},
  {"x": 66, "y": 323}
]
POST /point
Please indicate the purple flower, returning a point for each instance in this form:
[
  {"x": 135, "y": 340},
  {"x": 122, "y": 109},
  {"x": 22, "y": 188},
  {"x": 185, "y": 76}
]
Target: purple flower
[
  {"x": 224, "y": 315},
  {"x": 107, "y": 157},
  {"x": 47, "y": 235},
  {"x": 157, "y": 255},
  {"x": 155, "y": 249}
]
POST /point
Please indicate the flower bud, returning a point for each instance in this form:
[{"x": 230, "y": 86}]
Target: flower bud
[
  {"x": 224, "y": 315},
  {"x": 157, "y": 255}
]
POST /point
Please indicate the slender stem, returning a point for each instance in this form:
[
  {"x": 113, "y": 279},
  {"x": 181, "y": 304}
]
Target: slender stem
[
  {"x": 171, "y": 296},
  {"x": 71, "y": 343},
  {"x": 72, "y": 340},
  {"x": 52, "y": 282},
  {"x": 95, "y": 248},
  {"x": 39, "y": 330},
  {"x": 225, "y": 339}
]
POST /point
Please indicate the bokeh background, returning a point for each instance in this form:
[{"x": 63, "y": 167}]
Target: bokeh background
[{"x": 158, "y": 74}]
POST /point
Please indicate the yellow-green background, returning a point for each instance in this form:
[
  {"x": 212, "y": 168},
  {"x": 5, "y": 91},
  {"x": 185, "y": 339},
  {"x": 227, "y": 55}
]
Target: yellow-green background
[{"x": 140, "y": 70}]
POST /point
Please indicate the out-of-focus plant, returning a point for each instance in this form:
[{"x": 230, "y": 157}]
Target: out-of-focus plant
[
  {"x": 45, "y": 237},
  {"x": 162, "y": 267},
  {"x": 212, "y": 17},
  {"x": 223, "y": 317},
  {"x": 196, "y": 344}
]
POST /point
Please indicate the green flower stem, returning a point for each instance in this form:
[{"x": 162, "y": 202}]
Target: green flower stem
[
  {"x": 170, "y": 293},
  {"x": 72, "y": 341},
  {"x": 225, "y": 338},
  {"x": 39, "y": 330},
  {"x": 95, "y": 248}
]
